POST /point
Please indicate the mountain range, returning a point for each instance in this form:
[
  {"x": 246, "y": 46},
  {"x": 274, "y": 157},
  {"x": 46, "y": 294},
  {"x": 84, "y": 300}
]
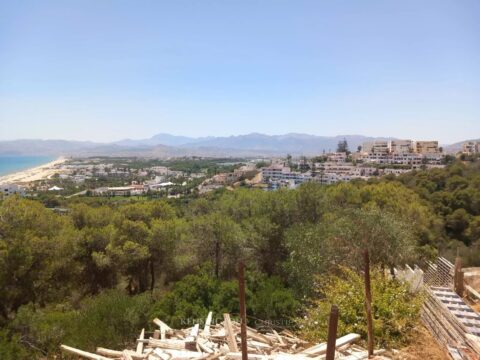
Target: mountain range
[{"x": 167, "y": 145}]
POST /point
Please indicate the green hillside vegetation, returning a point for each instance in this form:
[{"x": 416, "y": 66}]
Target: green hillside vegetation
[{"x": 97, "y": 274}]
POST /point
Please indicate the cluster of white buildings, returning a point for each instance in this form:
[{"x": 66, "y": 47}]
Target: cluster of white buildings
[
  {"x": 400, "y": 152},
  {"x": 278, "y": 174},
  {"x": 401, "y": 146},
  {"x": 78, "y": 172},
  {"x": 374, "y": 159}
]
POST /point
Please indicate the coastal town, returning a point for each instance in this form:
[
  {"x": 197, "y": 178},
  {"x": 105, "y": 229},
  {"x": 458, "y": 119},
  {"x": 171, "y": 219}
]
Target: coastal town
[{"x": 178, "y": 177}]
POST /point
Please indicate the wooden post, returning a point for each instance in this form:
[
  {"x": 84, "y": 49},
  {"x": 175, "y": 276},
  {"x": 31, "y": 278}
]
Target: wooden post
[
  {"x": 332, "y": 333},
  {"x": 458, "y": 284},
  {"x": 368, "y": 304},
  {"x": 243, "y": 309}
]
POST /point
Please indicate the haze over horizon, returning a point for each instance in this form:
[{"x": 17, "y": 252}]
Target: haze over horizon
[
  {"x": 121, "y": 140},
  {"x": 110, "y": 70}
]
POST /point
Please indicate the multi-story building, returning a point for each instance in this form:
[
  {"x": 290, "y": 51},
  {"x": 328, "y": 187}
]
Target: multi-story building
[
  {"x": 426, "y": 147},
  {"x": 279, "y": 172},
  {"x": 471, "y": 147},
  {"x": 405, "y": 159},
  {"x": 331, "y": 166},
  {"x": 367, "y": 147},
  {"x": 401, "y": 146},
  {"x": 380, "y": 147},
  {"x": 11, "y": 189}
]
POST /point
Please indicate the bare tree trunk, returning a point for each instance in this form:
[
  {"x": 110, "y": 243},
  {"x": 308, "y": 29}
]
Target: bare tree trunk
[
  {"x": 152, "y": 275},
  {"x": 217, "y": 258}
]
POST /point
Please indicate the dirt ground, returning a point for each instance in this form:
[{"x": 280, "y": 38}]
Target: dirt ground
[
  {"x": 476, "y": 307},
  {"x": 423, "y": 347}
]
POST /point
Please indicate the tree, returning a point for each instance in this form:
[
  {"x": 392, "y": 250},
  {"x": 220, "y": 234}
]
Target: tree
[
  {"x": 219, "y": 239},
  {"x": 167, "y": 236},
  {"x": 289, "y": 160},
  {"x": 457, "y": 223},
  {"x": 340, "y": 240},
  {"x": 130, "y": 249},
  {"x": 343, "y": 146}
]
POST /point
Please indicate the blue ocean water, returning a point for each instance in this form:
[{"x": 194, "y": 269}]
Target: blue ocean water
[{"x": 11, "y": 163}]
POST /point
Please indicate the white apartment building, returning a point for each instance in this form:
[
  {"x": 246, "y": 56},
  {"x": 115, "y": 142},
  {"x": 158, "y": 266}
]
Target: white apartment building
[
  {"x": 332, "y": 178},
  {"x": 396, "y": 158},
  {"x": 279, "y": 172},
  {"x": 335, "y": 167},
  {"x": 405, "y": 159}
]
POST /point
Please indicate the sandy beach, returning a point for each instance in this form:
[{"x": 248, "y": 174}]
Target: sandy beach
[{"x": 37, "y": 173}]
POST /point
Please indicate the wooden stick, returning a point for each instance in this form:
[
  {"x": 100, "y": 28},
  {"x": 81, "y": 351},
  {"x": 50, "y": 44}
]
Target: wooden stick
[
  {"x": 368, "y": 305},
  {"x": 458, "y": 277},
  {"x": 243, "y": 309},
  {"x": 321, "y": 348},
  {"x": 82, "y": 353},
  {"x": 332, "y": 333},
  {"x": 140, "y": 343}
]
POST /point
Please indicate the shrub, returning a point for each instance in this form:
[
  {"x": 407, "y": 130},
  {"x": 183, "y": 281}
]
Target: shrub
[
  {"x": 111, "y": 319},
  {"x": 44, "y": 329},
  {"x": 11, "y": 347},
  {"x": 395, "y": 310}
]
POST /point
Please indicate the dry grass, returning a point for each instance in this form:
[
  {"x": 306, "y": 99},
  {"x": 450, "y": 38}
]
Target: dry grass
[{"x": 422, "y": 347}]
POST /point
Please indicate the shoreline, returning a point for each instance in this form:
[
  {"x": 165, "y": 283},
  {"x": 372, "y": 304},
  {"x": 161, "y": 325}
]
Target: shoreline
[{"x": 33, "y": 174}]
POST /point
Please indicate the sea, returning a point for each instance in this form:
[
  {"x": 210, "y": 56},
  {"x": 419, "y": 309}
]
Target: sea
[{"x": 12, "y": 163}]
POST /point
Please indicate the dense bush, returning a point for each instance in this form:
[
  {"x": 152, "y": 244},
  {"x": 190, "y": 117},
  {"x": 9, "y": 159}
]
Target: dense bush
[
  {"x": 395, "y": 310},
  {"x": 191, "y": 298},
  {"x": 113, "y": 318}
]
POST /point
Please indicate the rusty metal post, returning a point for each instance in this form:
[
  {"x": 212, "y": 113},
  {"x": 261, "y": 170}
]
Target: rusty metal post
[
  {"x": 243, "y": 309},
  {"x": 368, "y": 304},
  {"x": 332, "y": 333}
]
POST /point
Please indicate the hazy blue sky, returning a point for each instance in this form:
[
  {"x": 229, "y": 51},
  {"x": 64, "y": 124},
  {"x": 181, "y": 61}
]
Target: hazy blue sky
[{"x": 109, "y": 69}]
